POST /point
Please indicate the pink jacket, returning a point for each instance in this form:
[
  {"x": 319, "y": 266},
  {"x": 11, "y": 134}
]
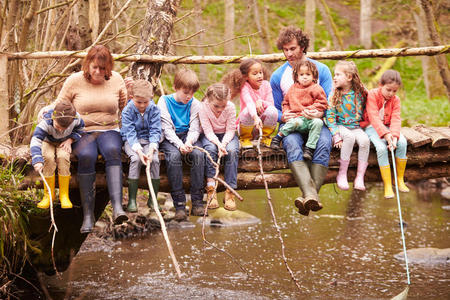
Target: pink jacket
[
  {"x": 212, "y": 125},
  {"x": 392, "y": 118},
  {"x": 249, "y": 97}
]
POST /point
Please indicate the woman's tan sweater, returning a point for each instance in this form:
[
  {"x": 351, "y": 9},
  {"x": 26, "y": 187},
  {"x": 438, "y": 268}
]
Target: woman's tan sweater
[{"x": 98, "y": 104}]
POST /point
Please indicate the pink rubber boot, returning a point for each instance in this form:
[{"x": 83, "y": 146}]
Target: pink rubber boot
[
  {"x": 341, "y": 178},
  {"x": 359, "y": 179}
]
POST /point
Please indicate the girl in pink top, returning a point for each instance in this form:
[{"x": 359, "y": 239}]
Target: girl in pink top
[
  {"x": 257, "y": 107},
  {"x": 218, "y": 121}
]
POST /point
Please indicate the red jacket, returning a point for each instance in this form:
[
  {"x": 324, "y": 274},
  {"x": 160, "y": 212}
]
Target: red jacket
[
  {"x": 392, "y": 118},
  {"x": 298, "y": 98}
]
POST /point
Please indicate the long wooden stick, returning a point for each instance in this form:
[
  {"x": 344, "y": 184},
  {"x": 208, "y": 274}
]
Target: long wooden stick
[
  {"x": 52, "y": 218},
  {"x": 273, "y": 57},
  {"x": 161, "y": 220},
  {"x": 269, "y": 200}
]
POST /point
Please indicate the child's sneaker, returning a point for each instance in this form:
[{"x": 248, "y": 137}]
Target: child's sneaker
[
  {"x": 308, "y": 153},
  {"x": 276, "y": 142}
]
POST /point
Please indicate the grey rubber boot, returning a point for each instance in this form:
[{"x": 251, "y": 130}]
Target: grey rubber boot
[
  {"x": 114, "y": 182},
  {"x": 86, "y": 183},
  {"x": 302, "y": 176}
]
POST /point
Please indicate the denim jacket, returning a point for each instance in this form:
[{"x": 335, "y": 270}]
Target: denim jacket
[{"x": 137, "y": 126}]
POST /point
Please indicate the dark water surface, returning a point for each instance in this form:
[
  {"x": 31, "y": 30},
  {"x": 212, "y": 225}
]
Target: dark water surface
[{"x": 345, "y": 251}]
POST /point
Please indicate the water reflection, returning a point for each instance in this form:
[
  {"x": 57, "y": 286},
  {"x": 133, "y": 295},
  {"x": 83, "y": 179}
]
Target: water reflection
[{"x": 345, "y": 251}]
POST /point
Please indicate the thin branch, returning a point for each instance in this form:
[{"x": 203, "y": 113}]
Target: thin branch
[
  {"x": 105, "y": 42},
  {"x": 217, "y": 44},
  {"x": 269, "y": 201},
  {"x": 52, "y": 7},
  {"x": 188, "y": 37},
  {"x": 184, "y": 16}
]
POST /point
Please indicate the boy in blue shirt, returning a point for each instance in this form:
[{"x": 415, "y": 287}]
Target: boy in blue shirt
[
  {"x": 51, "y": 146},
  {"x": 141, "y": 132}
]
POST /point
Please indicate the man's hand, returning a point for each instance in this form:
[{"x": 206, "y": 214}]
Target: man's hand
[
  {"x": 287, "y": 116},
  {"x": 38, "y": 167},
  {"x": 312, "y": 113},
  {"x": 67, "y": 145}
]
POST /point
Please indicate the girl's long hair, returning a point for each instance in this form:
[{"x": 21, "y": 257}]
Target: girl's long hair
[
  {"x": 356, "y": 85},
  {"x": 236, "y": 78}
]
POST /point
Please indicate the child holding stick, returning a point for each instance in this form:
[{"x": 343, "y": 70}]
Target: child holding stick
[
  {"x": 383, "y": 123},
  {"x": 218, "y": 121}
]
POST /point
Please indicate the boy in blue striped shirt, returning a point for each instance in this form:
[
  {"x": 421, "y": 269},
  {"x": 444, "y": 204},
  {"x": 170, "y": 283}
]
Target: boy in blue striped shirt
[{"x": 51, "y": 146}]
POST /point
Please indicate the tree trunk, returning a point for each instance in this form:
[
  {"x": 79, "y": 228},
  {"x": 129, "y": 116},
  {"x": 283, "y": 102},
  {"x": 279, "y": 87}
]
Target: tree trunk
[
  {"x": 94, "y": 18},
  {"x": 83, "y": 23},
  {"x": 310, "y": 22},
  {"x": 155, "y": 38},
  {"x": 440, "y": 59},
  {"x": 201, "y": 51},
  {"x": 229, "y": 27},
  {"x": 433, "y": 82},
  {"x": 365, "y": 31},
  {"x": 105, "y": 14},
  {"x": 331, "y": 27},
  {"x": 265, "y": 46},
  {"x": 4, "y": 114}
]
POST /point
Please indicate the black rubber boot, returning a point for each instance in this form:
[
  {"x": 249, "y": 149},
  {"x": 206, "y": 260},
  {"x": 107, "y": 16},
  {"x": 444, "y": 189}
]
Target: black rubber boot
[
  {"x": 155, "y": 183},
  {"x": 301, "y": 174},
  {"x": 132, "y": 193},
  {"x": 114, "y": 182},
  {"x": 318, "y": 175},
  {"x": 86, "y": 183}
]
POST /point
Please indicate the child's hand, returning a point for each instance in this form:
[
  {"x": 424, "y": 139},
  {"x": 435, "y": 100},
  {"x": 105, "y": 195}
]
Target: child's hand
[
  {"x": 39, "y": 167},
  {"x": 142, "y": 156},
  {"x": 390, "y": 140},
  {"x": 66, "y": 145},
  {"x": 259, "y": 107},
  {"x": 337, "y": 141},
  {"x": 222, "y": 150},
  {"x": 186, "y": 148},
  {"x": 150, "y": 155},
  {"x": 338, "y": 144},
  {"x": 258, "y": 122}
]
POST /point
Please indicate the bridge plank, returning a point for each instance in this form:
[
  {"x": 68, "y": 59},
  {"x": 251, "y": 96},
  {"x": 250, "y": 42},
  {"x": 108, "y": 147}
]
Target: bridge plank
[
  {"x": 439, "y": 139},
  {"x": 415, "y": 138}
]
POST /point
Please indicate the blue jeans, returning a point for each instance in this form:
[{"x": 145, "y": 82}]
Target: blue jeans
[
  {"x": 108, "y": 143},
  {"x": 293, "y": 145},
  {"x": 174, "y": 165},
  {"x": 231, "y": 160},
  {"x": 381, "y": 147}
]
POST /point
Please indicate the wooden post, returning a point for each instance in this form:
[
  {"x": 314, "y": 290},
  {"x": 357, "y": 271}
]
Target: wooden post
[{"x": 4, "y": 115}]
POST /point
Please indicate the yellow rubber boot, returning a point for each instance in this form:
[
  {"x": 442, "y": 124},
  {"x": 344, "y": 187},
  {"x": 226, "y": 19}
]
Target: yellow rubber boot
[
  {"x": 45, "y": 202},
  {"x": 386, "y": 176},
  {"x": 63, "y": 182},
  {"x": 266, "y": 139},
  {"x": 401, "y": 166},
  {"x": 245, "y": 136}
]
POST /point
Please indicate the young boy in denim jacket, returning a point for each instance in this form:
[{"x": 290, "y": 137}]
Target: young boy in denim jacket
[{"x": 141, "y": 132}]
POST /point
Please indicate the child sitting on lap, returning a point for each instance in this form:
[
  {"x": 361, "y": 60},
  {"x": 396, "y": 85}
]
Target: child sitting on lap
[
  {"x": 141, "y": 132},
  {"x": 305, "y": 95}
]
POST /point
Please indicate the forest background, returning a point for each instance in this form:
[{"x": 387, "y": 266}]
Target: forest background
[{"x": 229, "y": 27}]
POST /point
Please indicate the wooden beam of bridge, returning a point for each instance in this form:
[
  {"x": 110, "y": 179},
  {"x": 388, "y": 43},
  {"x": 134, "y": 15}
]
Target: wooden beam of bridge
[{"x": 214, "y": 59}]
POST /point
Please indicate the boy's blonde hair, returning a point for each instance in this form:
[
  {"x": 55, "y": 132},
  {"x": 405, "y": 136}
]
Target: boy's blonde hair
[
  {"x": 142, "y": 88},
  {"x": 186, "y": 79}
]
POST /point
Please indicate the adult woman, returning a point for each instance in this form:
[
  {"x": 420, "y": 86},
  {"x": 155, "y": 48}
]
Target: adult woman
[{"x": 98, "y": 94}]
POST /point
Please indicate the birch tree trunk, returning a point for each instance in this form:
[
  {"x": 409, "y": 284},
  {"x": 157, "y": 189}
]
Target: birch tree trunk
[
  {"x": 310, "y": 22},
  {"x": 331, "y": 27},
  {"x": 94, "y": 18},
  {"x": 433, "y": 82},
  {"x": 229, "y": 27},
  {"x": 155, "y": 38},
  {"x": 435, "y": 39},
  {"x": 4, "y": 114},
  {"x": 365, "y": 27},
  {"x": 198, "y": 26},
  {"x": 83, "y": 23}
]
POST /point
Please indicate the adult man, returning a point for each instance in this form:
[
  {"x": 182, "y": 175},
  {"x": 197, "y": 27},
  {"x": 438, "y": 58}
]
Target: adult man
[{"x": 294, "y": 43}]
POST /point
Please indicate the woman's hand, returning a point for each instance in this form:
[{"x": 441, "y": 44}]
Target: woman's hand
[
  {"x": 67, "y": 145},
  {"x": 39, "y": 167}
]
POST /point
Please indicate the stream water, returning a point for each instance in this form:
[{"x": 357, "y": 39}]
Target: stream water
[{"x": 345, "y": 251}]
